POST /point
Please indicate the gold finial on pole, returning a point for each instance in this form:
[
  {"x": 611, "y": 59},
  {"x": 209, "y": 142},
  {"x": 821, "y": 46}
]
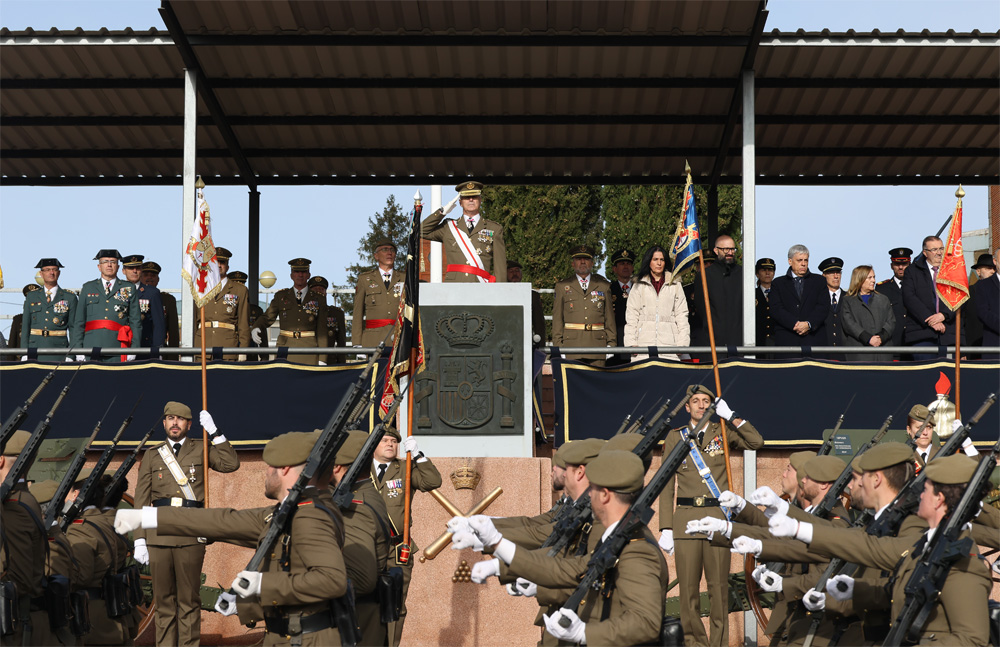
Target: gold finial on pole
[
  {"x": 960, "y": 193},
  {"x": 199, "y": 183},
  {"x": 687, "y": 170}
]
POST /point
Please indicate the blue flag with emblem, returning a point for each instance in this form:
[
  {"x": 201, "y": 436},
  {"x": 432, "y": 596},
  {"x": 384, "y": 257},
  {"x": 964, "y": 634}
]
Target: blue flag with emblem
[{"x": 687, "y": 240}]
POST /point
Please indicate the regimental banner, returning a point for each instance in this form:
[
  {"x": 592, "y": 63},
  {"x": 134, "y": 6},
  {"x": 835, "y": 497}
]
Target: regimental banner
[{"x": 790, "y": 403}]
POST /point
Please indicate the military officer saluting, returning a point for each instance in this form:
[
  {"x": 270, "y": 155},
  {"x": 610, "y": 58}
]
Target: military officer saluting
[
  {"x": 227, "y": 314},
  {"x": 107, "y": 312},
  {"x": 154, "y": 330},
  {"x": 583, "y": 314},
  {"x": 48, "y": 312},
  {"x": 150, "y": 275},
  {"x": 474, "y": 250},
  {"x": 302, "y": 315},
  {"x": 376, "y": 299},
  {"x": 336, "y": 323}
]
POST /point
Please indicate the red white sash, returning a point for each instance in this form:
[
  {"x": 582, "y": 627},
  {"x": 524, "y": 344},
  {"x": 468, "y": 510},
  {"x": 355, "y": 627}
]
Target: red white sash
[{"x": 469, "y": 252}]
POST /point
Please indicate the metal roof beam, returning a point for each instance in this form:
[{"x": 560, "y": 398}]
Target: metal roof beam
[{"x": 447, "y": 40}]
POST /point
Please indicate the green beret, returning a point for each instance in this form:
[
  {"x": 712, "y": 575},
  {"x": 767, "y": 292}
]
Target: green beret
[
  {"x": 949, "y": 470},
  {"x": 177, "y": 409},
  {"x": 799, "y": 460},
  {"x": 622, "y": 442},
  {"x": 16, "y": 443},
  {"x": 351, "y": 447},
  {"x": 617, "y": 470},
  {"x": 700, "y": 388},
  {"x": 289, "y": 449},
  {"x": 43, "y": 490},
  {"x": 824, "y": 469},
  {"x": 919, "y": 413},
  {"x": 885, "y": 455},
  {"x": 393, "y": 433},
  {"x": 582, "y": 451}
]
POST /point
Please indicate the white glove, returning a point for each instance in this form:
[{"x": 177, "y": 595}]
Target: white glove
[
  {"x": 814, "y": 600},
  {"x": 667, "y": 541},
  {"x": 723, "y": 411},
  {"x": 956, "y": 424},
  {"x": 483, "y": 570},
  {"x": 410, "y": 445},
  {"x": 969, "y": 449},
  {"x": 127, "y": 520},
  {"x": 458, "y": 524},
  {"x": 526, "y": 588},
  {"x": 768, "y": 579},
  {"x": 782, "y": 526},
  {"x": 321, "y": 363},
  {"x": 840, "y": 587},
  {"x": 81, "y": 358},
  {"x": 130, "y": 358},
  {"x": 451, "y": 205},
  {"x": 205, "y": 418},
  {"x": 69, "y": 358},
  {"x": 230, "y": 600},
  {"x": 141, "y": 553},
  {"x": 576, "y": 632},
  {"x": 747, "y": 546},
  {"x": 708, "y": 526},
  {"x": 253, "y": 579},
  {"x": 765, "y": 496},
  {"x": 732, "y": 500},
  {"x": 466, "y": 539},
  {"x": 485, "y": 530},
  {"x": 255, "y": 335}
]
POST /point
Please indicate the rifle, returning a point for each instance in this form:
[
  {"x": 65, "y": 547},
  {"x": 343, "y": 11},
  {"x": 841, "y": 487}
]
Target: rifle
[
  {"x": 56, "y": 503},
  {"x": 89, "y": 488},
  {"x": 827, "y": 445},
  {"x": 122, "y": 472},
  {"x": 27, "y": 455},
  {"x": 943, "y": 550},
  {"x": 628, "y": 418},
  {"x": 320, "y": 458},
  {"x": 17, "y": 418},
  {"x": 639, "y": 513}
]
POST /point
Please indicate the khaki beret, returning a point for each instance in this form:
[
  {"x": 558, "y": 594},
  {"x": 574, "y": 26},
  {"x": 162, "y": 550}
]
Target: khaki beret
[
  {"x": 919, "y": 413},
  {"x": 289, "y": 449},
  {"x": 16, "y": 443},
  {"x": 583, "y": 451},
  {"x": 949, "y": 470},
  {"x": 351, "y": 447},
  {"x": 799, "y": 460},
  {"x": 885, "y": 455},
  {"x": 394, "y": 433},
  {"x": 177, "y": 409},
  {"x": 43, "y": 490},
  {"x": 558, "y": 458},
  {"x": 700, "y": 388},
  {"x": 617, "y": 470},
  {"x": 622, "y": 442},
  {"x": 824, "y": 469},
  {"x": 856, "y": 465}
]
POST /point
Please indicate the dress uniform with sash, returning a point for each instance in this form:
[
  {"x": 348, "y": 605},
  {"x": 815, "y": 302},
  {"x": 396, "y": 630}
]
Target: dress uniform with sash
[
  {"x": 583, "y": 314},
  {"x": 694, "y": 500},
  {"x": 227, "y": 315},
  {"x": 376, "y": 304},
  {"x": 302, "y": 316},
  {"x": 390, "y": 483},
  {"x": 47, "y": 315},
  {"x": 619, "y": 300},
  {"x": 172, "y": 474},
  {"x": 474, "y": 249},
  {"x": 307, "y": 568},
  {"x": 892, "y": 288},
  {"x": 336, "y": 323},
  {"x": 170, "y": 319},
  {"x": 107, "y": 314}
]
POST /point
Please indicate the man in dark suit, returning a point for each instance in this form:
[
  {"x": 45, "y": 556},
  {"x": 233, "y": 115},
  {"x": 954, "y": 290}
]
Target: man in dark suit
[
  {"x": 929, "y": 320},
  {"x": 623, "y": 264},
  {"x": 832, "y": 269},
  {"x": 899, "y": 259},
  {"x": 799, "y": 303},
  {"x": 153, "y": 323},
  {"x": 986, "y": 295},
  {"x": 764, "y": 269},
  {"x": 725, "y": 296}
]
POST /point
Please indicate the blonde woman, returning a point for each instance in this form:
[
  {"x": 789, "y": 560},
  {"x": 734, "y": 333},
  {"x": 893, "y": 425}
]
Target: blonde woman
[
  {"x": 866, "y": 316},
  {"x": 657, "y": 313}
]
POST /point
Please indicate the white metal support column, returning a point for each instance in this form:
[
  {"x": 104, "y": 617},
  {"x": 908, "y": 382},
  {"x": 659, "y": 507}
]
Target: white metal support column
[
  {"x": 437, "y": 250},
  {"x": 188, "y": 206},
  {"x": 749, "y": 311}
]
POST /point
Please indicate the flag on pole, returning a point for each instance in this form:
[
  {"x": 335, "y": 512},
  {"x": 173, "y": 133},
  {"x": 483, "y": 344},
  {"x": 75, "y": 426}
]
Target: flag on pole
[
  {"x": 200, "y": 267},
  {"x": 687, "y": 240},
  {"x": 406, "y": 334},
  {"x": 952, "y": 283}
]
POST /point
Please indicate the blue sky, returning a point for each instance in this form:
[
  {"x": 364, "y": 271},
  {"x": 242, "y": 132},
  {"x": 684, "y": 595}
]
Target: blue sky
[{"x": 859, "y": 224}]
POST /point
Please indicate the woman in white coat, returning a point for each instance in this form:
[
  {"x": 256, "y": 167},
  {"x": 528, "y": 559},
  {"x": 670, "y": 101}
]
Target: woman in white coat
[{"x": 657, "y": 313}]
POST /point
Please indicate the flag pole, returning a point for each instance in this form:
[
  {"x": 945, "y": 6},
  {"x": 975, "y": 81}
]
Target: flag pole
[
  {"x": 959, "y": 193},
  {"x": 204, "y": 404},
  {"x": 412, "y": 367}
]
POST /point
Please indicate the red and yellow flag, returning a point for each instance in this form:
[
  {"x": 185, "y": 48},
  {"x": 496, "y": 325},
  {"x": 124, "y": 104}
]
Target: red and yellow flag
[{"x": 953, "y": 279}]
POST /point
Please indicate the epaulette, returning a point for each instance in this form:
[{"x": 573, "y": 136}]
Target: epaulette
[
  {"x": 78, "y": 521},
  {"x": 302, "y": 503},
  {"x": 357, "y": 502}
]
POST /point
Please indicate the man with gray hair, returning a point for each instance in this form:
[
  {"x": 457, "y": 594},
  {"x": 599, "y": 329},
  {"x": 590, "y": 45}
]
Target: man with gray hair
[{"x": 798, "y": 302}]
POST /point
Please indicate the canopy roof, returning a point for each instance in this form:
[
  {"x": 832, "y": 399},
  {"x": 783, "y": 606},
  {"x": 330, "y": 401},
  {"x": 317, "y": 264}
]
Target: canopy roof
[{"x": 509, "y": 92}]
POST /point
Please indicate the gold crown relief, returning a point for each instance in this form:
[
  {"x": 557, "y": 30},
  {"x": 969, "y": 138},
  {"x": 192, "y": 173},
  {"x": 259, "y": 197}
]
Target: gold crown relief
[
  {"x": 465, "y": 478},
  {"x": 465, "y": 329}
]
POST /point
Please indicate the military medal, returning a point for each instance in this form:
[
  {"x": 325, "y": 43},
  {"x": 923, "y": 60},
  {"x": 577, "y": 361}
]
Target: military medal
[
  {"x": 192, "y": 471},
  {"x": 55, "y": 320}
]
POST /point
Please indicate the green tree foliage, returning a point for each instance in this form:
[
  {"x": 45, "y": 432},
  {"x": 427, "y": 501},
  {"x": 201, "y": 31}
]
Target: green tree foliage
[{"x": 392, "y": 223}]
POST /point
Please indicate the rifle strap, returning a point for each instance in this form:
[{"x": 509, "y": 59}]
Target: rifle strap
[
  {"x": 167, "y": 454},
  {"x": 338, "y": 522},
  {"x": 113, "y": 566}
]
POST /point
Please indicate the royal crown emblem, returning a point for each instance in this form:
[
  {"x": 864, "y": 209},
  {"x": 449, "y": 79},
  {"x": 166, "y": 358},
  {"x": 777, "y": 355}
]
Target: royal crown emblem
[
  {"x": 465, "y": 478},
  {"x": 465, "y": 329}
]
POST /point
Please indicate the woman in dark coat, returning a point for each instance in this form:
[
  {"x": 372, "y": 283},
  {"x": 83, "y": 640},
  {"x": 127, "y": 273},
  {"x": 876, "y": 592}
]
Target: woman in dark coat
[{"x": 866, "y": 316}]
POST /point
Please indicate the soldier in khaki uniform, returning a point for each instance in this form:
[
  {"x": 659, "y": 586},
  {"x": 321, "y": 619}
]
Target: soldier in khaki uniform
[
  {"x": 59, "y": 558},
  {"x": 336, "y": 323},
  {"x": 583, "y": 314},
  {"x": 255, "y": 312},
  {"x": 307, "y": 571},
  {"x": 48, "y": 312},
  {"x": 474, "y": 250},
  {"x": 376, "y": 299},
  {"x": 175, "y": 562},
  {"x": 694, "y": 501},
  {"x": 302, "y": 316},
  {"x": 388, "y": 476},
  {"x": 151, "y": 276},
  {"x": 227, "y": 314}
]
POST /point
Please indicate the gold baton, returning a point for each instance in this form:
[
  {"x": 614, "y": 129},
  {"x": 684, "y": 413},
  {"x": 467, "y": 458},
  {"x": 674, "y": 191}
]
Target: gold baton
[{"x": 439, "y": 544}]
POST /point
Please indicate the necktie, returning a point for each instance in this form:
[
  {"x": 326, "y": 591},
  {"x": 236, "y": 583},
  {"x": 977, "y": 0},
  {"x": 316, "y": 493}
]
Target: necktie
[
  {"x": 625, "y": 289},
  {"x": 701, "y": 437},
  {"x": 385, "y": 279},
  {"x": 767, "y": 294},
  {"x": 177, "y": 448},
  {"x": 48, "y": 297},
  {"x": 937, "y": 299},
  {"x": 583, "y": 284},
  {"x": 472, "y": 225},
  {"x": 798, "y": 287},
  {"x": 923, "y": 457},
  {"x": 298, "y": 295},
  {"x": 833, "y": 301},
  {"x": 107, "y": 288},
  {"x": 381, "y": 471}
]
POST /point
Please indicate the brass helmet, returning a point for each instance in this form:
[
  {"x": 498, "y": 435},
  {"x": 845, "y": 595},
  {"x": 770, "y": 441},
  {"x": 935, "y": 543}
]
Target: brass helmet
[{"x": 943, "y": 410}]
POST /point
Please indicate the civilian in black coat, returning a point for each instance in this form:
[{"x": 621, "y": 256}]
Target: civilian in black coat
[
  {"x": 725, "y": 295},
  {"x": 799, "y": 313},
  {"x": 929, "y": 321},
  {"x": 623, "y": 264},
  {"x": 987, "y": 300}
]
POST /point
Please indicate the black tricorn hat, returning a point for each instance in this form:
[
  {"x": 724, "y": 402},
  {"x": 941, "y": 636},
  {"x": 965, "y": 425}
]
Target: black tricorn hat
[
  {"x": 108, "y": 253},
  {"x": 49, "y": 262}
]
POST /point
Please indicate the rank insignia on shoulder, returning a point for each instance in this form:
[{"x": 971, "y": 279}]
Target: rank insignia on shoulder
[{"x": 357, "y": 502}]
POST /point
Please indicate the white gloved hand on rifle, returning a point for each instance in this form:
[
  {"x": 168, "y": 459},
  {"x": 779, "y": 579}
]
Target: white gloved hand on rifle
[{"x": 765, "y": 496}]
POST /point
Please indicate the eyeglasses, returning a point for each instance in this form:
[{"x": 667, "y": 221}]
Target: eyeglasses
[
  {"x": 934, "y": 250},
  {"x": 726, "y": 250}
]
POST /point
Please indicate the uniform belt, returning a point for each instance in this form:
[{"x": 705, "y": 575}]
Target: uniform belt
[
  {"x": 219, "y": 324},
  {"x": 48, "y": 333},
  {"x": 297, "y": 333},
  {"x": 378, "y": 323},
  {"x": 177, "y": 502},
  {"x": 698, "y": 501},
  {"x": 594, "y": 326},
  {"x": 310, "y": 624}
]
